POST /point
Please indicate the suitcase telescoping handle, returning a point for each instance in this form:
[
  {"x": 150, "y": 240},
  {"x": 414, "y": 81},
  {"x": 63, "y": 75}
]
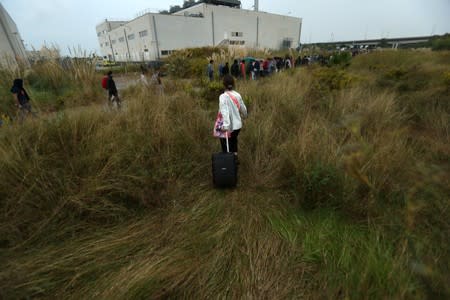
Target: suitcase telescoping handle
[{"x": 228, "y": 145}]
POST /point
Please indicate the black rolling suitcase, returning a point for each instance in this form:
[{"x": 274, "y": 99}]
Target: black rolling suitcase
[{"x": 224, "y": 169}]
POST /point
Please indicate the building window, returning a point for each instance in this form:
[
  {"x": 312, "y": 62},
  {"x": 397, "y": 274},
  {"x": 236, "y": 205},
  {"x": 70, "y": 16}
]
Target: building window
[
  {"x": 99, "y": 33},
  {"x": 143, "y": 33},
  {"x": 287, "y": 43},
  {"x": 121, "y": 39},
  {"x": 131, "y": 37},
  {"x": 237, "y": 34},
  {"x": 113, "y": 42},
  {"x": 106, "y": 44},
  {"x": 166, "y": 52},
  {"x": 101, "y": 44},
  {"x": 237, "y": 42}
]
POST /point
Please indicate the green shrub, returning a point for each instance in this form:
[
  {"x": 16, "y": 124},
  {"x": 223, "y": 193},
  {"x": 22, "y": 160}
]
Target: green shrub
[
  {"x": 211, "y": 90},
  {"x": 441, "y": 44},
  {"x": 341, "y": 58},
  {"x": 321, "y": 186}
]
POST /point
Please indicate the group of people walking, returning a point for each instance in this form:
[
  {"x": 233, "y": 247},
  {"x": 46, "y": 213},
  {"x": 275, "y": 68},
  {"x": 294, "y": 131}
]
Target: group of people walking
[{"x": 250, "y": 68}]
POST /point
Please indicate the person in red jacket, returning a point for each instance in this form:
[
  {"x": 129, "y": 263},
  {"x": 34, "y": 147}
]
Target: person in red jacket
[{"x": 243, "y": 73}]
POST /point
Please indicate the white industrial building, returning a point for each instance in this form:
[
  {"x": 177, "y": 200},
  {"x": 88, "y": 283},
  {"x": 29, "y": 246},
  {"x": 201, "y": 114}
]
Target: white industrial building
[
  {"x": 152, "y": 36},
  {"x": 12, "y": 49}
]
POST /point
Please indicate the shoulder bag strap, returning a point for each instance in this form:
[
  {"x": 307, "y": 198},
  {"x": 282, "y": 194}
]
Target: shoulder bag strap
[{"x": 233, "y": 98}]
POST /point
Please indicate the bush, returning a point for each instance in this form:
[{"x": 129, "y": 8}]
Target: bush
[
  {"x": 341, "y": 58},
  {"x": 211, "y": 90},
  {"x": 441, "y": 44}
]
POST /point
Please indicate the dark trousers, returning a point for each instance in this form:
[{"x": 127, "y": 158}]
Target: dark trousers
[{"x": 232, "y": 142}]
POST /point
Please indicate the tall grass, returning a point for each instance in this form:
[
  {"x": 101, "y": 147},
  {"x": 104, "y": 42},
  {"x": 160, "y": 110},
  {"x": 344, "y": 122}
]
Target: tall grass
[
  {"x": 342, "y": 193},
  {"x": 54, "y": 82}
]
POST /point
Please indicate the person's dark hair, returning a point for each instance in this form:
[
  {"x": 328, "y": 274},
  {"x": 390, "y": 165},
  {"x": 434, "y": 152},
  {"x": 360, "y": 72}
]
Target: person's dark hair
[
  {"x": 228, "y": 82},
  {"x": 235, "y": 61},
  {"x": 18, "y": 83},
  {"x": 211, "y": 61},
  {"x": 109, "y": 73}
]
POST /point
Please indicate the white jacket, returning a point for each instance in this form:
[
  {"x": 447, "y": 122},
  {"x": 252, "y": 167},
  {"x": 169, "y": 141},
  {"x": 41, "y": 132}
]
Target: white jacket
[{"x": 230, "y": 112}]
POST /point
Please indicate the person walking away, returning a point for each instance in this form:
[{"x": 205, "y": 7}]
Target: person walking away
[
  {"x": 257, "y": 69},
  {"x": 235, "y": 69},
  {"x": 279, "y": 64},
  {"x": 210, "y": 70},
  {"x": 112, "y": 91},
  {"x": 265, "y": 67},
  {"x": 287, "y": 63},
  {"x": 21, "y": 99},
  {"x": 243, "y": 71},
  {"x": 143, "y": 79},
  {"x": 253, "y": 70},
  {"x": 232, "y": 107},
  {"x": 226, "y": 69},
  {"x": 105, "y": 86},
  {"x": 221, "y": 70},
  {"x": 157, "y": 82},
  {"x": 273, "y": 66}
]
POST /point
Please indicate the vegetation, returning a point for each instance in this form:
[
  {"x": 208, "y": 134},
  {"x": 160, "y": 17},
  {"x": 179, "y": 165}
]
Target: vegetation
[
  {"x": 343, "y": 191},
  {"x": 441, "y": 43},
  {"x": 53, "y": 83}
]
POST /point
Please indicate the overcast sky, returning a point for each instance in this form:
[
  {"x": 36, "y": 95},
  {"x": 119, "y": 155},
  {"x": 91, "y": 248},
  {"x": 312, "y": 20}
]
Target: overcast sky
[{"x": 71, "y": 23}]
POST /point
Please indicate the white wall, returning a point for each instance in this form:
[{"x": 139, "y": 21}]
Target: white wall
[
  {"x": 11, "y": 45},
  {"x": 178, "y": 32}
]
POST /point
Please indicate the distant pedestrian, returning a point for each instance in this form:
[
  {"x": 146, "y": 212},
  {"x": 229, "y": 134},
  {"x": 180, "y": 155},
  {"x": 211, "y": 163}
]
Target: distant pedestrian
[
  {"x": 210, "y": 70},
  {"x": 157, "y": 82},
  {"x": 143, "y": 69},
  {"x": 235, "y": 69},
  {"x": 253, "y": 71},
  {"x": 243, "y": 70},
  {"x": 220, "y": 70},
  {"x": 226, "y": 69},
  {"x": 21, "y": 99},
  {"x": 279, "y": 64},
  {"x": 143, "y": 79},
  {"x": 112, "y": 92},
  {"x": 265, "y": 67},
  {"x": 287, "y": 63},
  {"x": 256, "y": 68}
]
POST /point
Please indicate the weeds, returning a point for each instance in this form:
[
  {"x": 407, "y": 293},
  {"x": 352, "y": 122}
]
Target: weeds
[{"x": 112, "y": 205}]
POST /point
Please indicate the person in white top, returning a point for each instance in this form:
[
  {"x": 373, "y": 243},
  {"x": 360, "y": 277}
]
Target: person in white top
[{"x": 232, "y": 107}]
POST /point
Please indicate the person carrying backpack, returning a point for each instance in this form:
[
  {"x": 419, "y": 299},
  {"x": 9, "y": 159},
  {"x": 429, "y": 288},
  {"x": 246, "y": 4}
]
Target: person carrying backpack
[
  {"x": 210, "y": 70},
  {"x": 113, "y": 94}
]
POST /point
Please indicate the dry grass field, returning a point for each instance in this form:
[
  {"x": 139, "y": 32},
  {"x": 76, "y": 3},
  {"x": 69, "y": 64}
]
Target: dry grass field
[{"x": 343, "y": 190}]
